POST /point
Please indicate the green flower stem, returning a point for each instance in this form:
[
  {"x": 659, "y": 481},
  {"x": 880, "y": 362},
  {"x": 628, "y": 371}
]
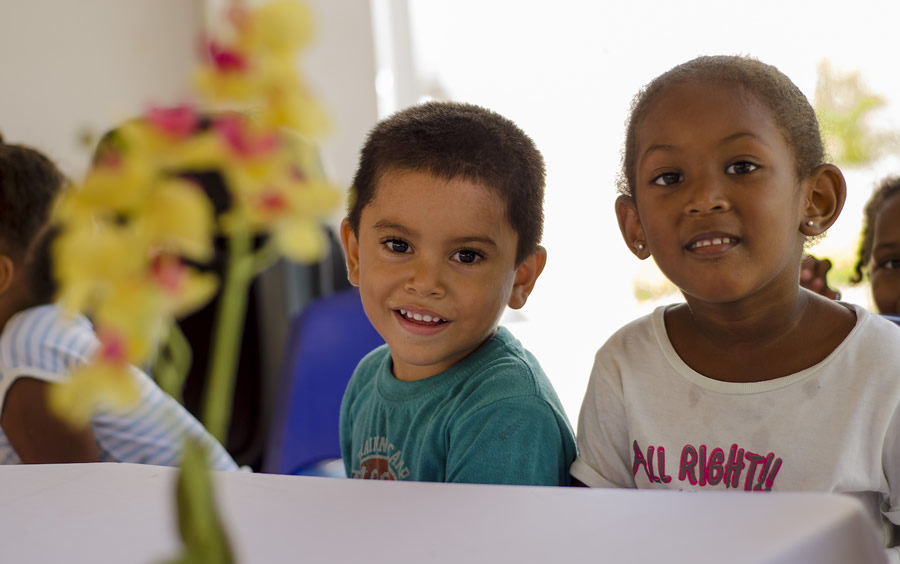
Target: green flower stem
[
  {"x": 266, "y": 256},
  {"x": 227, "y": 340},
  {"x": 174, "y": 362}
]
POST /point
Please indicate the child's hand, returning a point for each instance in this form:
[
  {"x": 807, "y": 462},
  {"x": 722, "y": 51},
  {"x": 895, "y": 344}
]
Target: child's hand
[{"x": 813, "y": 276}]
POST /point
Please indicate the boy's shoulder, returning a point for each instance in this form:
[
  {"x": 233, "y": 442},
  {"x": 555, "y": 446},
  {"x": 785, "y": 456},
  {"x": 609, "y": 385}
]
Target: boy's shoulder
[
  {"x": 368, "y": 368},
  {"x": 504, "y": 355},
  {"x": 504, "y": 369}
]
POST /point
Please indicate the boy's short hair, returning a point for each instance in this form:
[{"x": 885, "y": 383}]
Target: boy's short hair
[
  {"x": 456, "y": 140},
  {"x": 793, "y": 114}
]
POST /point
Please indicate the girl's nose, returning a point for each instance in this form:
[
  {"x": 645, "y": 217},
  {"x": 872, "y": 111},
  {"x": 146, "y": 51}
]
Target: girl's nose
[{"x": 707, "y": 194}]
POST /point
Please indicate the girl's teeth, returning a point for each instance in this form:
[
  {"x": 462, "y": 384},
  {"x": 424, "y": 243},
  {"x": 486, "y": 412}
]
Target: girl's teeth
[{"x": 715, "y": 241}]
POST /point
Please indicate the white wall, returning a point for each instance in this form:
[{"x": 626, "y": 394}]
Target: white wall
[{"x": 69, "y": 67}]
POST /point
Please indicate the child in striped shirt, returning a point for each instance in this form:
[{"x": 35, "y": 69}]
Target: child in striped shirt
[{"x": 39, "y": 345}]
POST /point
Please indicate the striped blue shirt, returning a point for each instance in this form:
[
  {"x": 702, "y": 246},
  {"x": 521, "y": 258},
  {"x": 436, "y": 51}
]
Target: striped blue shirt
[{"x": 43, "y": 343}]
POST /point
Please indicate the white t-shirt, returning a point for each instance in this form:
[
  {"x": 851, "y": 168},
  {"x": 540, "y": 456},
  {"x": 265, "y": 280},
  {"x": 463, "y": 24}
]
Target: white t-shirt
[
  {"x": 650, "y": 421},
  {"x": 42, "y": 343}
]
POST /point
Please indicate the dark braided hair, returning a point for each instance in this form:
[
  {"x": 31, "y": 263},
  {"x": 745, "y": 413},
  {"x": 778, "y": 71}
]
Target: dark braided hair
[
  {"x": 886, "y": 188},
  {"x": 29, "y": 184}
]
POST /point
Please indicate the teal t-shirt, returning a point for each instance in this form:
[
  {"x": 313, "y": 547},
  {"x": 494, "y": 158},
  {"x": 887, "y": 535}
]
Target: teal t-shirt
[{"x": 493, "y": 418}]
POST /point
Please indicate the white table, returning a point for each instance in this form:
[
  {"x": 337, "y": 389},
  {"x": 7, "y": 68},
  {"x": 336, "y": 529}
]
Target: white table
[{"x": 123, "y": 513}]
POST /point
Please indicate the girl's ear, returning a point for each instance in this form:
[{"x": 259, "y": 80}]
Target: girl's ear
[
  {"x": 826, "y": 191},
  {"x": 351, "y": 251},
  {"x": 526, "y": 275},
  {"x": 630, "y": 226}
]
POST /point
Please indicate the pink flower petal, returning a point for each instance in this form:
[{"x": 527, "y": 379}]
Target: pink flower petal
[
  {"x": 178, "y": 121},
  {"x": 227, "y": 60},
  {"x": 112, "y": 346},
  {"x": 235, "y": 132}
]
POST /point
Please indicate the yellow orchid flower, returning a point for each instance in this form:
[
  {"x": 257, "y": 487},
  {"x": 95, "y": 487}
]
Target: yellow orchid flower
[
  {"x": 114, "y": 187},
  {"x": 294, "y": 109},
  {"x": 90, "y": 258},
  {"x": 130, "y": 227},
  {"x": 134, "y": 313},
  {"x": 277, "y": 28},
  {"x": 301, "y": 240},
  {"x": 166, "y": 139},
  {"x": 107, "y": 382},
  {"x": 226, "y": 85},
  {"x": 178, "y": 215},
  {"x": 182, "y": 289}
]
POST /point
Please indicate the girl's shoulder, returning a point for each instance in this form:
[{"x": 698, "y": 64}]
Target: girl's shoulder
[
  {"x": 45, "y": 332},
  {"x": 873, "y": 328},
  {"x": 646, "y": 329}
]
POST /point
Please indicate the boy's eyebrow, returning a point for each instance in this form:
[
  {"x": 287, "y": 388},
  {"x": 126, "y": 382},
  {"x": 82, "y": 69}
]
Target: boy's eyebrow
[
  {"x": 475, "y": 239},
  {"x": 386, "y": 225}
]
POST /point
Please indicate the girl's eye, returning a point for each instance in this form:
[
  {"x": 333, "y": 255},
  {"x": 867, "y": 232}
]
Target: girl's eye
[
  {"x": 396, "y": 245},
  {"x": 668, "y": 178},
  {"x": 890, "y": 264},
  {"x": 467, "y": 256},
  {"x": 742, "y": 167}
]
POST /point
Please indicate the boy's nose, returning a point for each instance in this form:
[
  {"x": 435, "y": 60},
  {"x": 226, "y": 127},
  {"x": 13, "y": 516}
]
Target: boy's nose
[
  {"x": 424, "y": 279},
  {"x": 707, "y": 195}
]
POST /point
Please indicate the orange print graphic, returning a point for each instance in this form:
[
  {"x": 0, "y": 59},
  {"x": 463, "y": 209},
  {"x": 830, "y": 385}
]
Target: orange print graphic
[{"x": 375, "y": 468}]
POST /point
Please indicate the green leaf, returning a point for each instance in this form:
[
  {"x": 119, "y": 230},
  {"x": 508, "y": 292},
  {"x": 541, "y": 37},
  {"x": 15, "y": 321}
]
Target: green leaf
[{"x": 205, "y": 539}]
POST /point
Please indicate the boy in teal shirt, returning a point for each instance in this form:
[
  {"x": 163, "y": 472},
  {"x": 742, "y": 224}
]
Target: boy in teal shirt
[{"x": 442, "y": 235}]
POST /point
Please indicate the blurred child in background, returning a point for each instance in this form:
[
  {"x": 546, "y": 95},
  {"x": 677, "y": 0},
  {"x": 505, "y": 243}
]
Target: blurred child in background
[{"x": 40, "y": 344}]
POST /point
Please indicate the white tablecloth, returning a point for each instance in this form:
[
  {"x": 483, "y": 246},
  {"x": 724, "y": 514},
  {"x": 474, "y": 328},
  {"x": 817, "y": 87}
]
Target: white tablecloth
[{"x": 122, "y": 513}]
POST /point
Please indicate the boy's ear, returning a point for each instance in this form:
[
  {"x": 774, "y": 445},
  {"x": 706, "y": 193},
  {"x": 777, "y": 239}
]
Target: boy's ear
[
  {"x": 826, "y": 191},
  {"x": 630, "y": 226},
  {"x": 526, "y": 275},
  {"x": 7, "y": 272},
  {"x": 351, "y": 251}
]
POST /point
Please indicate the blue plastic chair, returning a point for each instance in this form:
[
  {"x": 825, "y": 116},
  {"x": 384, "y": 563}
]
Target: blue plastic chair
[
  {"x": 326, "y": 341},
  {"x": 894, "y": 318}
]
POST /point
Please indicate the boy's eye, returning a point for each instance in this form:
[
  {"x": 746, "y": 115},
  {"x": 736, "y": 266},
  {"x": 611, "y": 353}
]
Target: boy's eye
[
  {"x": 396, "y": 245},
  {"x": 467, "y": 256},
  {"x": 741, "y": 167},
  {"x": 668, "y": 178}
]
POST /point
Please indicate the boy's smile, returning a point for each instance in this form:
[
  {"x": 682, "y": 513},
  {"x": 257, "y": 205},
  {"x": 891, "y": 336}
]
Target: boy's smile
[
  {"x": 435, "y": 263},
  {"x": 717, "y": 194}
]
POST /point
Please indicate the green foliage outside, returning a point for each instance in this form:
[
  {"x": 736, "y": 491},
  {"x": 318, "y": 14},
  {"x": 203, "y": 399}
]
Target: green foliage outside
[{"x": 845, "y": 106}]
